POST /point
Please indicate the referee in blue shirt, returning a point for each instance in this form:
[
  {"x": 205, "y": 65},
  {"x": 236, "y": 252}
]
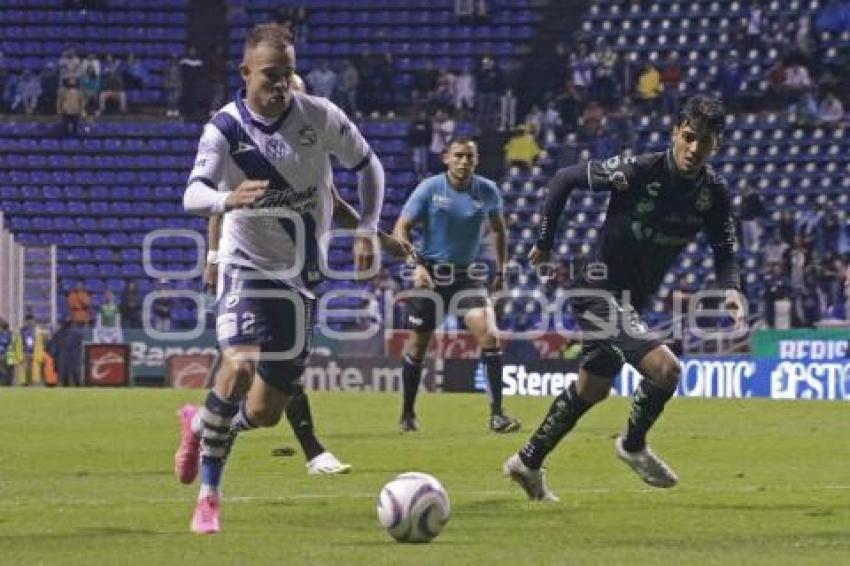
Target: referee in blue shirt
[{"x": 450, "y": 210}]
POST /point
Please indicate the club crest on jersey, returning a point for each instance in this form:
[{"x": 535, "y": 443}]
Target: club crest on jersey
[
  {"x": 703, "y": 202},
  {"x": 276, "y": 148},
  {"x": 652, "y": 188},
  {"x": 307, "y": 136}
]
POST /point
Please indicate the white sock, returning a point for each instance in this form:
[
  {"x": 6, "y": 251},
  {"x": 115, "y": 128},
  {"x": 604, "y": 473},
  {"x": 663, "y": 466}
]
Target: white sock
[
  {"x": 198, "y": 423},
  {"x": 208, "y": 490}
]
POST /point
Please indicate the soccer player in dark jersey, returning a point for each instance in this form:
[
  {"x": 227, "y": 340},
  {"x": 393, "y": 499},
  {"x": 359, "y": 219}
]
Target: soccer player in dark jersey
[{"x": 659, "y": 202}]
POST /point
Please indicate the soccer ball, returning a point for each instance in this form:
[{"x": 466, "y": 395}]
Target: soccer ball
[{"x": 413, "y": 507}]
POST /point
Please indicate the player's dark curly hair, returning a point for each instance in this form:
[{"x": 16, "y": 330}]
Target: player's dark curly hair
[
  {"x": 273, "y": 34},
  {"x": 702, "y": 111}
]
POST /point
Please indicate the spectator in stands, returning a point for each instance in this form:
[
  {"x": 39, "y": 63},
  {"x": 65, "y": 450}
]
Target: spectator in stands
[
  {"x": 490, "y": 84},
  {"x": 803, "y": 36},
  {"x": 29, "y": 348},
  {"x": 419, "y": 136},
  {"x": 828, "y": 233},
  {"x": 755, "y": 26},
  {"x": 776, "y": 76},
  {"x": 649, "y": 88},
  {"x": 172, "y": 83},
  {"x": 831, "y": 111},
  {"x": 108, "y": 326},
  {"x": 79, "y": 303},
  {"x": 804, "y": 112},
  {"x": 465, "y": 90},
  {"x": 809, "y": 304},
  {"x": 521, "y": 149},
  {"x": 49, "y": 87},
  {"x": 534, "y": 121},
  {"x": 775, "y": 249},
  {"x": 425, "y": 84},
  {"x": 622, "y": 121},
  {"x": 602, "y": 144},
  {"x": 131, "y": 306},
  {"x": 752, "y": 211},
  {"x": 70, "y": 65},
  {"x": 591, "y": 119},
  {"x": 113, "y": 86},
  {"x": 581, "y": 70},
  {"x": 162, "y": 309},
  {"x": 192, "y": 105},
  {"x": 365, "y": 65},
  {"x": 384, "y": 80},
  {"x": 797, "y": 81},
  {"x": 293, "y": 18},
  {"x": 445, "y": 95},
  {"x": 787, "y": 227},
  {"x": 217, "y": 67},
  {"x": 569, "y": 106},
  {"x": 6, "y": 371},
  {"x": 135, "y": 73},
  {"x": 730, "y": 82},
  {"x": 347, "y": 88},
  {"x": 604, "y": 62},
  {"x": 797, "y": 261},
  {"x": 10, "y": 89},
  {"x": 831, "y": 279},
  {"x": 776, "y": 289},
  {"x": 442, "y": 130},
  {"x": 71, "y": 106},
  {"x": 90, "y": 86},
  {"x": 671, "y": 78},
  {"x": 550, "y": 124},
  {"x": 28, "y": 92},
  {"x": 323, "y": 80},
  {"x": 91, "y": 62}
]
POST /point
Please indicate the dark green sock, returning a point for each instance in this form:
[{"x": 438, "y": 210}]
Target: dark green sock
[
  {"x": 647, "y": 404},
  {"x": 299, "y": 416},
  {"x": 563, "y": 414}
]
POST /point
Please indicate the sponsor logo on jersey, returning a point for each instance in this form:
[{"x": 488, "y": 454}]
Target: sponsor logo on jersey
[
  {"x": 243, "y": 147},
  {"x": 618, "y": 180},
  {"x": 652, "y": 188}
]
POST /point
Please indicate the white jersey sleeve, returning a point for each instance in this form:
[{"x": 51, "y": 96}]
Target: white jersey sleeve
[
  {"x": 342, "y": 139},
  {"x": 206, "y": 189}
]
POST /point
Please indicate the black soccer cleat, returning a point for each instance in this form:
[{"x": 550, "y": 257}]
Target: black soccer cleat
[
  {"x": 408, "y": 423},
  {"x": 503, "y": 423}
]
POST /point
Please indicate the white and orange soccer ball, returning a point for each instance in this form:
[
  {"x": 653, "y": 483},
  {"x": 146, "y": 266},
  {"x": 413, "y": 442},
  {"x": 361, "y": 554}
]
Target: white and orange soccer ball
[{"x": 413, "y": 507}]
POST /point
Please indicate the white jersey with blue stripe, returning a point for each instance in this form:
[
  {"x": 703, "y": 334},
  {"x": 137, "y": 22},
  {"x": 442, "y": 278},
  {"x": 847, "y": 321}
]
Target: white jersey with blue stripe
[{"x": 293, "y": 155}]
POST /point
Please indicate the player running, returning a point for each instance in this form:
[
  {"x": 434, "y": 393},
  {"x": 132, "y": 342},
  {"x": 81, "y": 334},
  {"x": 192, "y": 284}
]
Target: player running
[
  {"x": 659, "y": 202},
  {"x": 264, "y": 160}
]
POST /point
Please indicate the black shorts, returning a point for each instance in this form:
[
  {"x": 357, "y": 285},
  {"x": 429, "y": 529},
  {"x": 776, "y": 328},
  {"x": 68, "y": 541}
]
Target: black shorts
[
  {"x": 622, "y": 337},
  {"x": 426, "y": 312},
  {"x": 270, "y": 314}
]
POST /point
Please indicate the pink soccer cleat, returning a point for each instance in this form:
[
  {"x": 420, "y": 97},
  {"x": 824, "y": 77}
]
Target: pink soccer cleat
[
  {"x": 188, "y": 453},
  {"x": 205, "y": 518}
]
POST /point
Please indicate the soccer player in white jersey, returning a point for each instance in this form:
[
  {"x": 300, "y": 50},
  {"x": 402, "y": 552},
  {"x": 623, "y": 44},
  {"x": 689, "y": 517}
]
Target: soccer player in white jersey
[{"x": 264, "y": 161}]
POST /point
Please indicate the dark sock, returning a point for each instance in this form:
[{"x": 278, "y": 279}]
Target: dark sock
[
  {"x": 647, "y": 404},
  {"x": 492, "y": 360},
  {"x": 411, "y": 376},
  {"x": 301, "y": 419},
  {"x": 563, "y": 414},
  {"x": 215, "y": 438}
]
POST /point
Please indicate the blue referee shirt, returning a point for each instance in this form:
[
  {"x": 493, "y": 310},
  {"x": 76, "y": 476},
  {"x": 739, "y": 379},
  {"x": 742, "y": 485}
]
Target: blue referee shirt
[{"x": 451, "y": 219}]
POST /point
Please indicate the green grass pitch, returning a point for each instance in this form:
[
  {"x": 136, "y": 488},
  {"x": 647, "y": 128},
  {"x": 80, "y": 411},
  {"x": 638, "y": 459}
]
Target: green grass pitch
[{"x": 86, "y": 478}]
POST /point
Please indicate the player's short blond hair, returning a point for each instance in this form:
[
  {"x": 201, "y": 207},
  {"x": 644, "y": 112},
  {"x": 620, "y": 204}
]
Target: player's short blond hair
[{"x": 270, "y": 34}]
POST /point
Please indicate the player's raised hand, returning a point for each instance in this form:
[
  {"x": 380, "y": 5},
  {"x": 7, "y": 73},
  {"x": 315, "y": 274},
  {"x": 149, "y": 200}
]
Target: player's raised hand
[
  {"x": 396, "y": 247},
  {"x": 538, "y": 256},
  {"x": 734, "y": 303},
  {"x": 364, "y": 253},
  {"x": 245, "y": 194}
]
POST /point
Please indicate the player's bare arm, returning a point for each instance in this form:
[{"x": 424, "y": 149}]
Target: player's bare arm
[
  {"x": 401, "y": 231},
  {"x": 348, "y": 217},
  {"x": 497, "y": 223}
]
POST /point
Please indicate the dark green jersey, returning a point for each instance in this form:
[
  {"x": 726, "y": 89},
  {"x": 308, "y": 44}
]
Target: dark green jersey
[{"x": 653, "y": 213}]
